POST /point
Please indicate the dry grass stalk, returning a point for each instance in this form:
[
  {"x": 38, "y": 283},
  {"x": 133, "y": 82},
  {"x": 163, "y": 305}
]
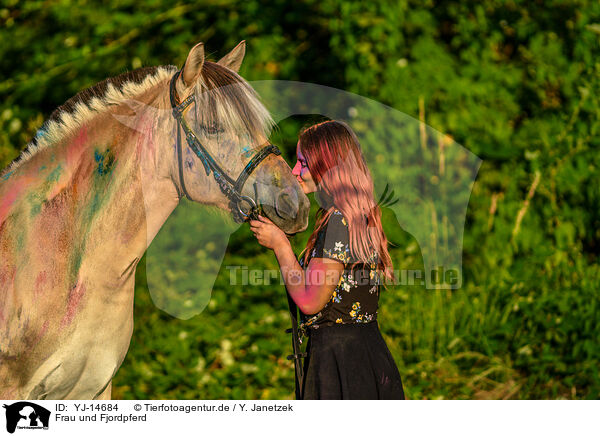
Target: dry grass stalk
[{"x": 525, "y": 206}]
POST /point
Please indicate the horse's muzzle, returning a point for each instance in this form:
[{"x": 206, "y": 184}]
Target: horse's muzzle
[{"x": 287, "y": 204}]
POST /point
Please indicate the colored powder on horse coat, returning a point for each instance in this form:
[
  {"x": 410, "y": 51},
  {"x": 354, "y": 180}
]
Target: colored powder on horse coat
[
  {"x": 246, "y": 150},
  {"x": 40, "y": 281},
  {"x": 105, "y": 160},
  {"x": 41, "y": 334},
  {"x": 75, "y": 296},
  {"x": 99, "y": 185},
  {"x": 145, "y": 146},
  {"x": 21, "y": 240},
  {"x": 30, "y": 340},
  {"x": 55, "y": 174},
  {"x": 9, "y": 198},
  {"x": 76, "y": 148},
  {"x": 37, "y": 198}
]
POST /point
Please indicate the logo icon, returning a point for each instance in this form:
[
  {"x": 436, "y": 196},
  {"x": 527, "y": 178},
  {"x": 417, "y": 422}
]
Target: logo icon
[{"x": 26, "y": 415}]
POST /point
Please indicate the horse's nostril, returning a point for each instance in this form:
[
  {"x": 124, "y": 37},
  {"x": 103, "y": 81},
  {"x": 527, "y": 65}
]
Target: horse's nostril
[{"x": 286, "y": 206}]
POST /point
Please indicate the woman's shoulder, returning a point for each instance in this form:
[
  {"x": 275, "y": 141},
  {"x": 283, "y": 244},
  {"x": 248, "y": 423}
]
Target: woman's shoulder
[
  {"x": 338, "y": 217},
  {"x": 340, "y": 222},
  {"x": 336, "y": 226}
]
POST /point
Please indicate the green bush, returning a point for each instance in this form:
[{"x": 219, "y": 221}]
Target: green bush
[{"x": 515, "y": 82}]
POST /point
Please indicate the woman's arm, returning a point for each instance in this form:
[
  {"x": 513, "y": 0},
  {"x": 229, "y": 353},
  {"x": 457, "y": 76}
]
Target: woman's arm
[{"x": 310, "y": 290}]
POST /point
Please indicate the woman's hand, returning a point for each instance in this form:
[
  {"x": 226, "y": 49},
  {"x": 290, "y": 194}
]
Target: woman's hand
[{"x": 267, "y": 233}]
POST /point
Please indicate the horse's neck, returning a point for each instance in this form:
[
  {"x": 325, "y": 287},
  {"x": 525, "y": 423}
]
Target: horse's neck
[
  {"x": 134, "y": 201},
  {"x": 99, "y": 193}
]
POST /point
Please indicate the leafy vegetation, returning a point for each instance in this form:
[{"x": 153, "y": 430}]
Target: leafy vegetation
[{"x": 514, "y": 81}]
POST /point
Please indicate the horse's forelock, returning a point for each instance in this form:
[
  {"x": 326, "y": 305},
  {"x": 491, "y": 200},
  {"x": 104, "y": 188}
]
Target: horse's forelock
[{"x": 227, "y": 100}]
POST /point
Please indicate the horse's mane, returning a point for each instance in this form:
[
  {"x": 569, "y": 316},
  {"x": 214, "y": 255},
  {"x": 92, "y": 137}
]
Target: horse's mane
[
  {"x": 88, "y": 103},
  {"x": 214, "y": 89}
]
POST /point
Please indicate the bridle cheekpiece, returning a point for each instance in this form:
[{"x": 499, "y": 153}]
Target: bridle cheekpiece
[{"x": 231, "y": 188}]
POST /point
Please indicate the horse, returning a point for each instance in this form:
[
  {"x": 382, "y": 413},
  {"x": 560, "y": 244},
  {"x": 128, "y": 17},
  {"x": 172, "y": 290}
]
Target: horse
[{"x": 83, "y": 201}]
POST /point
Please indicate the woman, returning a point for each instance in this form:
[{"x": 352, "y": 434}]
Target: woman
[{"x": 336, "y": 281}]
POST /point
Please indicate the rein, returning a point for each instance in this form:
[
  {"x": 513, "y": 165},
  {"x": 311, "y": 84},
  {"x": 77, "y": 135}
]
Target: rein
[
  {"x": 231, "y": 188},
  {"x": 298, "y": 354}
]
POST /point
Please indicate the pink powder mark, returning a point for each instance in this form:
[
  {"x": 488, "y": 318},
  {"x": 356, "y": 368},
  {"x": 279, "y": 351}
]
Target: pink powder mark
[
  {"x": 75, "y": 297},
  {"x": 145, "y": 146},
  {"x": 40, "y": 281},
  {"x": 41, "y": 334},
  {"x": 9, "y": 198},
  {"x": 74, "y": 151},
  {"x": 76, "y": 148}
]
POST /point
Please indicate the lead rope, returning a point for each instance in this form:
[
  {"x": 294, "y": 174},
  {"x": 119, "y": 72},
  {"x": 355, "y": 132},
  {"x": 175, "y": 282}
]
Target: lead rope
[{"x": 297, "y": 356}]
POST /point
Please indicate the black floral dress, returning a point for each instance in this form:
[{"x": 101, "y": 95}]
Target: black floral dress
[{"x": 347, "y": 358}]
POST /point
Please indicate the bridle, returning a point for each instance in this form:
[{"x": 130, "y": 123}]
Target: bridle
[{"x": 231, "y": 188}]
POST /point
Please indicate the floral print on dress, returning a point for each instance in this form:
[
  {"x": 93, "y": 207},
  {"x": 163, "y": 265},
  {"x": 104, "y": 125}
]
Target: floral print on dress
[
  {"x": 336, "y": 298},
  {"x": 356, "y": 297},
  {"x": 334, "y": 241},
  {"x": 347, "y": 282},
  {"x": 357, "y": 316},
  {"x": 365, "y": 318},
  {"x": 338, "y": 254}
]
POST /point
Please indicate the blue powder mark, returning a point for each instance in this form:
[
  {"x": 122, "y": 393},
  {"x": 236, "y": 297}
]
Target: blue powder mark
[
  {"x": 7, "y": 175},
  {"x": 105, "y": 161},
  {"x": 55, "y": 174},
  {"x": 40, "y": 134},
  {"x": 246, "y": 150}
]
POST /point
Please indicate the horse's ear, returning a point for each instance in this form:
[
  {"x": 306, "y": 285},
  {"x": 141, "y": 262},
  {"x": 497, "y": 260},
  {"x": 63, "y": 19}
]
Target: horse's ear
[
  {"x": 233, "y": 59},
  {"x": 193, "y": 64}
]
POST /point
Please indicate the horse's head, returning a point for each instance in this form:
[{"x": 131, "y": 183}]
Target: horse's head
[{"x": 233, "y": 126}]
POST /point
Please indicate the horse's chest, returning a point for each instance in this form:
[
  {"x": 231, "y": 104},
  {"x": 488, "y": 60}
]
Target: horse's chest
[{"x": 87, "y": 358}]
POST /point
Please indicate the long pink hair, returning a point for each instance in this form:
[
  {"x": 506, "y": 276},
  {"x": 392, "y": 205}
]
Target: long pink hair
[{"x": 343, "y": 180}]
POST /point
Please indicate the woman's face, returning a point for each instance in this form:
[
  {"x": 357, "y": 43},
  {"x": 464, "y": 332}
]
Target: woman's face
[{"x": 302, "y": 174}]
